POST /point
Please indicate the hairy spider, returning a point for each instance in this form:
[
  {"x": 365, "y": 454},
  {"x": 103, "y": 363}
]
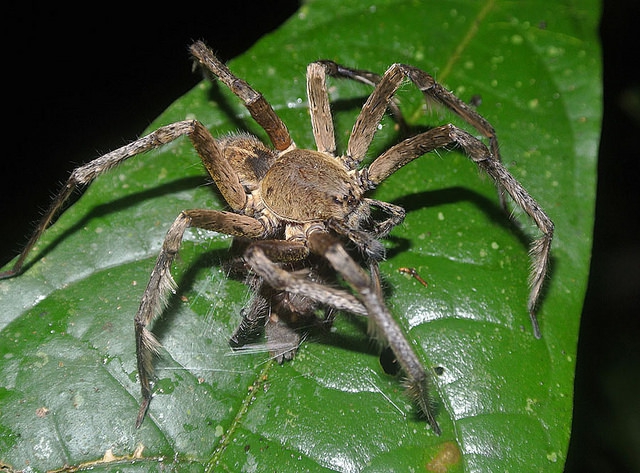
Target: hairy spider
[{"x": 301, "y": 217}]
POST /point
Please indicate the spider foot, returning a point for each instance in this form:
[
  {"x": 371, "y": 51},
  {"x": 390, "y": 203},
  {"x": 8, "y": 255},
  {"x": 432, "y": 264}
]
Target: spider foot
[
  {"x": 418, "y": 390},
  {"x": 142, "y": 413},
  {"x": 249, "y": 330}
]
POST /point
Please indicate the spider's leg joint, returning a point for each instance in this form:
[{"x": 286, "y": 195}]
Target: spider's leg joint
[{"x": 362, "y": 178}]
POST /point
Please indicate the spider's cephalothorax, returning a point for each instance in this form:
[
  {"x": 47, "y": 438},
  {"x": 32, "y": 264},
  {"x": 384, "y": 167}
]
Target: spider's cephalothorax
[{"x": 301, "y": 217}]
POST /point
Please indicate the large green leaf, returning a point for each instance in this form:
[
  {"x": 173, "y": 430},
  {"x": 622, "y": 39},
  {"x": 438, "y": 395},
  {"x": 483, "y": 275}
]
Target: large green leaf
[{"x": 69, "y": 393}]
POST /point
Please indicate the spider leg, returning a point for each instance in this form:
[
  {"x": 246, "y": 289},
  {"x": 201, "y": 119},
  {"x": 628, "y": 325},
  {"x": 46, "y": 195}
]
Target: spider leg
[
  {"x": 262, "y": 316},
  {"x": 320, "y": 111},
  {"x": 161, "y": 282},
  {"x": 219, "y": 168},
  {"x": 321, "y": 120},
  {"x": 382, "y": 96},
  {"x": 261, "y": 258},
  {"x": 341, "y": 72},
  {"x": 384, "y": 325},
  {"x": 381, "y": 323},
  {"x": 257, "y": 105},
  {"x": 320, "y": 69},
  {"x": 282, "y": 340},
  {"x": 414, "y": 147},
  {"x": 254, "y": 316}
]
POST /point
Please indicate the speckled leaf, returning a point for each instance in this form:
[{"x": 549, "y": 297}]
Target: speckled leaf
[{"x": 68, "y": 388}]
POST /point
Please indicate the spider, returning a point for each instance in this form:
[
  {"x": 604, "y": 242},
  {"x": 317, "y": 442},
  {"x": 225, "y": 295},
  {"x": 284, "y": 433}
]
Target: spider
[{"x": 302, "y": 223}]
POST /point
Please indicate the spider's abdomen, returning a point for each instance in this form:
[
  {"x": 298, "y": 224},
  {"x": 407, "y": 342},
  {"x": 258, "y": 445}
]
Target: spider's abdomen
[{"x": 306, "y": 186}]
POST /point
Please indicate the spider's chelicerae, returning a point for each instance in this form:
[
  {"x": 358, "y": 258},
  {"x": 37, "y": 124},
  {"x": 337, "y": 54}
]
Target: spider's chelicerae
[{"x": 302, "y": 217}]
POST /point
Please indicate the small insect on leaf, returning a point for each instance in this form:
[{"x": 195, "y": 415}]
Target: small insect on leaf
[{"x": 412, "y": 272}]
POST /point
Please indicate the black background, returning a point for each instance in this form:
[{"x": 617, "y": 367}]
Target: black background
[{"x": 101, "y": 73}]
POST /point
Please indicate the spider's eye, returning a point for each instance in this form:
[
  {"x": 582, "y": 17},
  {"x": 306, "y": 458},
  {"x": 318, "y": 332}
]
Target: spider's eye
[{"x": 349, "y": 199}]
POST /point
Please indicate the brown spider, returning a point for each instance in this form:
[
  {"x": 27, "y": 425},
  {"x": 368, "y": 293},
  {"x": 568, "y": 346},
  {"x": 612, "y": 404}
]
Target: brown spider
[{"x": 301, "y": 217}]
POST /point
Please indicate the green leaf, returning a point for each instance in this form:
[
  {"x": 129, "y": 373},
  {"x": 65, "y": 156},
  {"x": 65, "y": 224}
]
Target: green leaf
[{"x": 69, "y": 393}]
